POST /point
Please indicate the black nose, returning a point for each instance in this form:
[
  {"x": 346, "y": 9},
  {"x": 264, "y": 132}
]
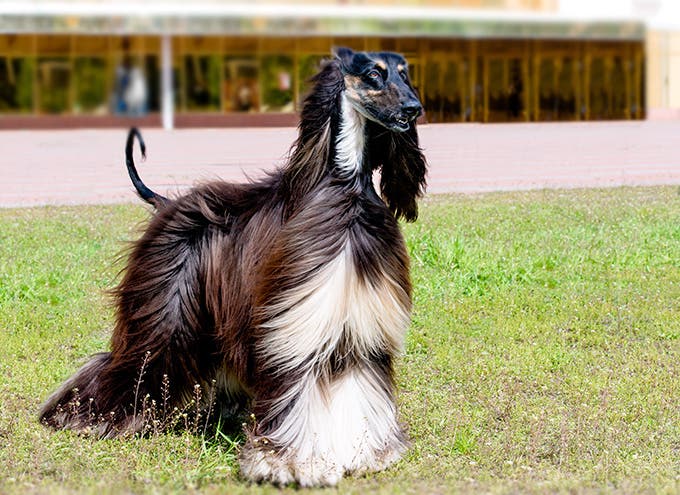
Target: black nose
[{"x": 412, "y": 109}]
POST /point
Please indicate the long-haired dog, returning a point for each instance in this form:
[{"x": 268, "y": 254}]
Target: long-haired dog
[{"x": 291, "y": 292}]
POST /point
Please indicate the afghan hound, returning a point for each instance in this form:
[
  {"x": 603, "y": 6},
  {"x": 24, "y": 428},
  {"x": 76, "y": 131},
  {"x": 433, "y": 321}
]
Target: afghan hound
[{"x": 291, "y": 293}]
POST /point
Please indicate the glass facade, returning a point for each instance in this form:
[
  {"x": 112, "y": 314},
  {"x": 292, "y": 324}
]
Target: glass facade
[{"x": 459, "y": 80}]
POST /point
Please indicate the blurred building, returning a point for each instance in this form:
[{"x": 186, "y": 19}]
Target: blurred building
[
  {"x": 663, "y": 56},
  {"x": 73, "y": 63}
]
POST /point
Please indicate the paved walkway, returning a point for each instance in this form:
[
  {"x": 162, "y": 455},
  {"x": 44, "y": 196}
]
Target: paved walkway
[{"x": 84, "y": 167}]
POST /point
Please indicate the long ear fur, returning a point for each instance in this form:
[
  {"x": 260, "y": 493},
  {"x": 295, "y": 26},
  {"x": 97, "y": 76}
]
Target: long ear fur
[
  {"x": 403, "y": 169},
  {"x": 311, "y": 152}
]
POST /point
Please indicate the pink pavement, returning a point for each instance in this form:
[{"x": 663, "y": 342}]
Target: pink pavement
[{"x": 60, "y": 167}]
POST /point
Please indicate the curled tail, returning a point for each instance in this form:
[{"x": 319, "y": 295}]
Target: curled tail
[{"x": 143, "y": 191}]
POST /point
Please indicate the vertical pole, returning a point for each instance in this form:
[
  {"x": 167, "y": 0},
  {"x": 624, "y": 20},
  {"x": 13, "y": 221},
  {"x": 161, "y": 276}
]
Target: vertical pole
[
  {"x": 223, "y": 104},
  {"x": 586, "y": 80},
  {"x": 536, "y": 85},
  {"x": 441, "y": 88},
  {"x": 167, "y": 92},
  {"x": 474, "y": 65},
  {"x": 639, "y": 100},
  {"x": 628, "y": 67},
  {"x": 462, "y": 86},
  {"x": 578, "y": 81},
  {"x": 486, "y": 79},
  {"x": 296, "y": 76},
  {"x": 526, "y": 81},
  {"x": 72, "y": 88},
  {"x": 182, "y": 72},
  {"x": 608, "y": 69},
  {"x": 36, "y": 70}
]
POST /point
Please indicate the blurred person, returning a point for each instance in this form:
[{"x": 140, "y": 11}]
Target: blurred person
[
  {"x": 131, "y": 93},
  {"x": 136, "y": 93},
  {"x": 122, "y": 80},
  {"x": 244, "y": 98}
]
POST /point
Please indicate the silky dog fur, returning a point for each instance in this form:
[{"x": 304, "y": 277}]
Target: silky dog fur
[{"x": 290, "y": 295}]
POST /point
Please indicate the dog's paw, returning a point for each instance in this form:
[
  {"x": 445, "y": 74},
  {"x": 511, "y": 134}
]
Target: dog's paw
[
  {"x": 317, "y": 472},
  {"x": 262, "y": 463},
  {"x": 376, "y": 461}
]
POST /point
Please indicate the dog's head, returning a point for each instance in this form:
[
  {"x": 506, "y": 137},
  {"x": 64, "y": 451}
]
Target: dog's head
[{"x": 378, "y": 86}]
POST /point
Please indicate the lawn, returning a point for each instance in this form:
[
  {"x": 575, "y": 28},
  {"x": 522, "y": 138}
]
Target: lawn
[{"x": 544, "y": 354}]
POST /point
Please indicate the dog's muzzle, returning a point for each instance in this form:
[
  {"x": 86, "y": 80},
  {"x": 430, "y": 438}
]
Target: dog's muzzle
[{"x": 410, "y": 111}]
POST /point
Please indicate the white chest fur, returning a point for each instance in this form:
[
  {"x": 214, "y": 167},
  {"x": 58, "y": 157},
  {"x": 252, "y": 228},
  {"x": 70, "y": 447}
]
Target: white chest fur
[{"x": 335, "y": 304}]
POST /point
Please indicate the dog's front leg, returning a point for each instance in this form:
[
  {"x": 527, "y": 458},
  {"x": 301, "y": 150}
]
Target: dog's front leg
[
  {"x": 321, "y": 427},
  {"x": 291, "y": 440},
  {"x": 322, "y": 347}
]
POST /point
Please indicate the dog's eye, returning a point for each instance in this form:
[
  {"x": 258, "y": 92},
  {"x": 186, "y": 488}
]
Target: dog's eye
[
  {"x": 374, "y": 74},
  {"x": 403, "y": 75}
]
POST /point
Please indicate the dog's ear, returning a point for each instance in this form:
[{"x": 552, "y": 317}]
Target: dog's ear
[
  {"x": 403, "y": 168},
  {"x": 344, "y": 55}
]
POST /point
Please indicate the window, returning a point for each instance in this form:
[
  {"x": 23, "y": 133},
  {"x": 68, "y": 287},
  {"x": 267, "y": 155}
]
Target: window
[
  {"x": 241, "y": 91},
  {"x": 54, "y": 79},
  {"x": 16, "y": 84},
  {"x": 277, "y": 83},
  {"x": 91, "y": 85},
  {"x": 202, "y": 82}
]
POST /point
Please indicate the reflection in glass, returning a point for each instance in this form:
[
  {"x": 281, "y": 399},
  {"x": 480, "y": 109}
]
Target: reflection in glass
[
  {"x": 16, "y": 85},
  {"x": 506, "y": 90},
  {"x": 567, "y": 80},
  {"x": 308, "y": 65},
  {"x": 460, "y": 80},
  {"x": 277, "y": 83},
  {"x": 202, "y": 89},
  {"x": 152, "y": 72},
  {"x": 446, "y": 84},
  {"x": 90, "y": 85},
  {"x": 54, "y": 78},
  {"x": 241, "y": 88},
  {"x": 599, "y": 89},
  {"x": 620, "y": 105}
]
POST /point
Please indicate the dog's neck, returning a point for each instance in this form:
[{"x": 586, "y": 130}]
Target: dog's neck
[{"x": 350, "y": 142}]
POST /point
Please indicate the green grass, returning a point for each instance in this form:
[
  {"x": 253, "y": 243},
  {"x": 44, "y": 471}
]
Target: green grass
[{"x": 544, "y": 354}]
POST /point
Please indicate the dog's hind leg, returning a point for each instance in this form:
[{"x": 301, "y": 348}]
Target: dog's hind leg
[
  {"x": 163, "y": 344},
  {"x": 65, "y": 408}
]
